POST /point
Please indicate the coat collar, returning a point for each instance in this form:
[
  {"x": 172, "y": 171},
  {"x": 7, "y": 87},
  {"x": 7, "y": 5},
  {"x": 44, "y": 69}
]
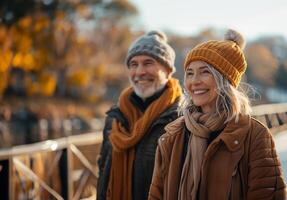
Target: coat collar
[{"x": 234, "y": 133}]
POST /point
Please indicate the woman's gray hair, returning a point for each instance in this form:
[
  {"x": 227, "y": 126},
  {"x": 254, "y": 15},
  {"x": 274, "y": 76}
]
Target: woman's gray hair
[{"x": 230, "y": 100}]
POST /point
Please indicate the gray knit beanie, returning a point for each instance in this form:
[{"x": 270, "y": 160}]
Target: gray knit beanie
[{"x": 153, "y": 44}]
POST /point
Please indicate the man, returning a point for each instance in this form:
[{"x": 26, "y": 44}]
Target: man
[{"x": 133, "y": 127}]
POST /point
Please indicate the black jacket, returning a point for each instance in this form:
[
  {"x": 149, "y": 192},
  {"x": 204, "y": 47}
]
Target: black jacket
[{"x": 144, "y": 152}]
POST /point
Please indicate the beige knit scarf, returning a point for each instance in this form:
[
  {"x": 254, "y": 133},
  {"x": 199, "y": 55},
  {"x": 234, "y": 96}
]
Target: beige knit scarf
[{"x": 200, "y": 125}]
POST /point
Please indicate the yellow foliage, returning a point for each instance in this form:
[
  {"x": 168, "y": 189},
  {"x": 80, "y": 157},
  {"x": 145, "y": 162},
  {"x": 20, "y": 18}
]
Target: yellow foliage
[
  {"x": 100, "y": 70},
  {"x": 28, "y": 62},
  {"x": 5, "y": 61},
  {"x": 17, "y": 60},
  {"x": 38, "y": 42},
  {"x": 60, "y": 15},
  {"x": 93, "y": 98},
  {"x": 42, "y": 59},
  {"x": 25, "y": 22},
  {"x": 32, "y": 88},
  {"x": 47, "y": 84},
  {"x": 95, "y": 91},
  {"x": 62, "y": 26},
  {"x": 71, "y": 57},
  {"x": 25, "y": 61},
  {"x": 24, "y": 44},
  {"x": 3, "y": 33},
  {"x": 3, "y": 82},
  {"x": 41, "y": 23},
  {"x": 79, "y": 78},
  {"x": 81, "y": 40}
]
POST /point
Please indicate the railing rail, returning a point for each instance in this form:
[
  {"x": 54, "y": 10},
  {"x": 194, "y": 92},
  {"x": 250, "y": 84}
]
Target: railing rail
[
  {"x": 52, "y": 145},
  {"x": 269, "y": 109},
  {"x": 274, "y": 116},
  {"x": 13, "y": 167}
]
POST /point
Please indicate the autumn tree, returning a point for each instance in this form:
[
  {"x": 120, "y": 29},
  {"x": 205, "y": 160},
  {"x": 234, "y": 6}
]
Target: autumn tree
[
  {"x": 262, "y": 64},
  {"x": 63, "y": 47}
]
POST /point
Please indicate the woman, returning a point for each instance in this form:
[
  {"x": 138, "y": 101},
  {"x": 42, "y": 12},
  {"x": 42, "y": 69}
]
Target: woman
[{"x": 216, "y": 150}]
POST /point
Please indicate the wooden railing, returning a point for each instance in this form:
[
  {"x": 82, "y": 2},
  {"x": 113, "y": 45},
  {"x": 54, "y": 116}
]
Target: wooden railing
[
  {"x": 53, "y": 169},
  {"x": 64, "y": 168},
  {"x": 274, "y": 116}
]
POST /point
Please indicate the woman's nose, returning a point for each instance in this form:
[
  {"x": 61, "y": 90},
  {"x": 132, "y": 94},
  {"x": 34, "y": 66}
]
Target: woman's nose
[{"x": 195, "y": 79}]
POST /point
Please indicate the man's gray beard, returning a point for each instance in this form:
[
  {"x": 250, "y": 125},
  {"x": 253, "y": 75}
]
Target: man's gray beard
[{"x": 148, "y": 92}]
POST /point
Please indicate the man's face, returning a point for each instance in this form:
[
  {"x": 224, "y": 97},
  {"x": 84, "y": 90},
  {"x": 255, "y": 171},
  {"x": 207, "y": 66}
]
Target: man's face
[{"x": 147, "y": 75}]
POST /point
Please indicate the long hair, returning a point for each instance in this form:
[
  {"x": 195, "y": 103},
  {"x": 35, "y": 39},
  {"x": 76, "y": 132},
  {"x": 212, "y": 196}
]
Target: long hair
[{"x": 230, "y": 100}]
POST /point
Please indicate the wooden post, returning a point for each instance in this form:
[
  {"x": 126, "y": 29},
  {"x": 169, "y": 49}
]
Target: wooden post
[
  {"x": 66, "y": 162},
  {"x": 11, "y": 179},
  {"x": 4, "y": 177}
]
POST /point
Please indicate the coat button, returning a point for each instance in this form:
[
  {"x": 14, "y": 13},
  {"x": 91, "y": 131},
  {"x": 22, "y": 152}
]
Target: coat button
[{"x": 236, "y": 142}]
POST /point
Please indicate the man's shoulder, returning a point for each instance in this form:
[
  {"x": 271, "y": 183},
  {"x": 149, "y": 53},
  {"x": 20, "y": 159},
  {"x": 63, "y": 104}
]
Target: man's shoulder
[
  {"x": 113, "y": 108},
  {"x": 172, "y": 110},
  {"x": 114, "y": 113}
]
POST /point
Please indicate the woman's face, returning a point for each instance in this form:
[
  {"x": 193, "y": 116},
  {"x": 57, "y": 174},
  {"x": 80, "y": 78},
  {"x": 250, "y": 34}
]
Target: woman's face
[{"x": 201, "y": 86}]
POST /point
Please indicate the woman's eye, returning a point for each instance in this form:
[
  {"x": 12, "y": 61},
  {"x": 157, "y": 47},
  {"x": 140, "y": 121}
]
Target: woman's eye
[
  {"x": 189, "y": 73},
  {"x": 206, "y": 72}
]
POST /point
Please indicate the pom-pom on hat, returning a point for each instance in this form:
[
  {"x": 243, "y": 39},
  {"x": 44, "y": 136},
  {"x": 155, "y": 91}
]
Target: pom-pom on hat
[
  {"x": 153, "y": 44},
  {"x": 226, "y": 56}
]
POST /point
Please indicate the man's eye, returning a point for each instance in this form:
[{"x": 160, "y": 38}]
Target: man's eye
[{"x": 133, "y": 66}]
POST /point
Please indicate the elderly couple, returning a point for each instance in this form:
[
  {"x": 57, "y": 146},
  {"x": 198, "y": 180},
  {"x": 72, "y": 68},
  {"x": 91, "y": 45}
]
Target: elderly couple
[{"x": 158, "y": 144}]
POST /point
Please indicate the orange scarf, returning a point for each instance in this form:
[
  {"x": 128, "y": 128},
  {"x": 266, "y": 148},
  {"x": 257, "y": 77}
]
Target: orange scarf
[{"x": 124, "y": 142}]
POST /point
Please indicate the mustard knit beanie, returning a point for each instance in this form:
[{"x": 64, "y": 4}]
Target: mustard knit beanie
[
  {"x": 226, "y": 56},
  {"x": 153, "y": 44}
]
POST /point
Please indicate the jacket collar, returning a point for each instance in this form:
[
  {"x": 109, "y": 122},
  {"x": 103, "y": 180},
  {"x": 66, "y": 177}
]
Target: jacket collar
[
  {"x": 234, "y": 133},
  {"x": 144, "y": 104}
]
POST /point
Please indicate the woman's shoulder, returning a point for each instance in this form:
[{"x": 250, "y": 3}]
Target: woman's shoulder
[
  {"x": 258, "y": 125},
  {"x": 259, "y": 129}
]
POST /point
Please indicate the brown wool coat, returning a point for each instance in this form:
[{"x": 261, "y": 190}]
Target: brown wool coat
[{"x": 241, "y": 163}]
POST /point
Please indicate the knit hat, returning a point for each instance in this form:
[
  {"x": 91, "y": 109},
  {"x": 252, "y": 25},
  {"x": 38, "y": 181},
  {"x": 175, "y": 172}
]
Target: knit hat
[
  {"x": 226, "y": 56},
  {"x": 153, "y": 44}
]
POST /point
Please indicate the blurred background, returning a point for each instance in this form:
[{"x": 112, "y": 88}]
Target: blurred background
[
  {"x": 62, "y": 62},
  {"x": 62, "y": 67}
]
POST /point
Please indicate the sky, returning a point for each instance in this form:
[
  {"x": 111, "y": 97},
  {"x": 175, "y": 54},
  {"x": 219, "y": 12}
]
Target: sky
[{"x": 253, "y": 18}]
